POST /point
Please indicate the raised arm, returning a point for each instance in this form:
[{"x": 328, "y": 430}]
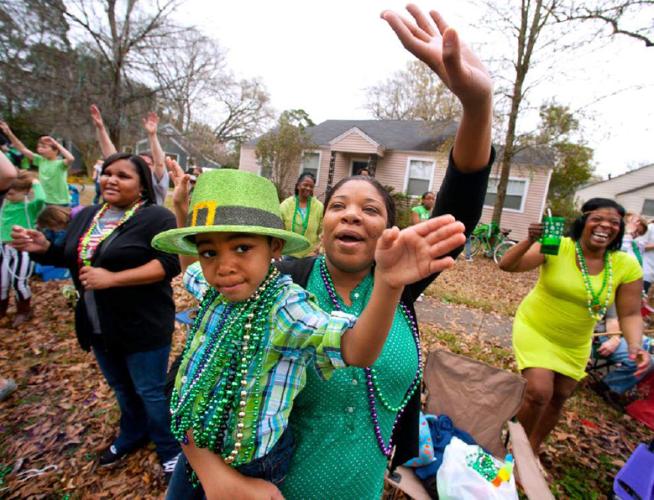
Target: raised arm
[
  {"x": 7, "y": 172},
  {"x": 526, "y": 255},
  {"x": 15, "y": 141},
  {"x": 432, "y": 41},
  {"x": 106, "y": 146},
  {"x": 402, "y": 257},
  {"x": 151, "y": 124},
  {"x": 181, "y": 198},
  {"x": 68, "y": 157}
]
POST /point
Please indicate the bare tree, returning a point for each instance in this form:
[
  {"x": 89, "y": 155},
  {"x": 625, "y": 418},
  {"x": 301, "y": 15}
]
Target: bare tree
[
  {"x": 527, "y": 29},
  {"x": 631, "y": 18},
  {"x": 188, "y": 70},
  {"x": 122, "y": 32},
  {"x": 279, "y": 151},
  {"x": 244, "y": 110},
  {"x": 414, "y": 93}
]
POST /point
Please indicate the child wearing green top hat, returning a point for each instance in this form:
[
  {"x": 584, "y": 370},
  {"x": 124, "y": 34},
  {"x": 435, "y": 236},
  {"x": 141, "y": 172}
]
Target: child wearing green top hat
[{"x": 256, "y": 332}]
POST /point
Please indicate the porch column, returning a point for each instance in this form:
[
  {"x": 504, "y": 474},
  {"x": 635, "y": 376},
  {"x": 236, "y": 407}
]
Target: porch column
[
  {"x": 330, "y": 173},
  {"x": 372, "y": 165}
]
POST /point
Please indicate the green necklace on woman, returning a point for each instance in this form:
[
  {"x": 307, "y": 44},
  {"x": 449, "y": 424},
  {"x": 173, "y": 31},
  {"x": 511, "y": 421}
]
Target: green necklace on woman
[
  {"x": 305, "y": 215},
  {"x": 595, "y": 309}
]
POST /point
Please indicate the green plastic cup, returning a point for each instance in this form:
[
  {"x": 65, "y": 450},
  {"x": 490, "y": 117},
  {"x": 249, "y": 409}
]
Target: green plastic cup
[{"x": 552, "y": 234}]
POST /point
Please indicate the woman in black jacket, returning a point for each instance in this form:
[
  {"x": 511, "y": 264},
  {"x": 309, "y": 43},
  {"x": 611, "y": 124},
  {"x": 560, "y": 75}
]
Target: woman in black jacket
[{"x": 125, "y": 312}]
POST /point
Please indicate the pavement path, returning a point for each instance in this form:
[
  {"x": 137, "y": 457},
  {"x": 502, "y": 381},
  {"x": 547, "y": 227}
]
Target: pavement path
[{"x": 460, "y": 318}]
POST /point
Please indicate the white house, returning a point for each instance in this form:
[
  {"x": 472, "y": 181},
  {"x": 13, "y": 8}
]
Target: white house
[{"x": 634, "y": 190}]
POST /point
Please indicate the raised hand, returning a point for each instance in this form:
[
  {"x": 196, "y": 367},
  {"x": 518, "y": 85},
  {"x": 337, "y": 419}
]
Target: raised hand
[
  {"x": 96, "y": 116},
  {"x": 5, "y": 128},
  {"x": 181, "y": 181},
  {"x": 432, "y": 41},
  {"x": 404, "y": 257},
  {"x": 29, "y": 240},
  {"x": 151, "y": 123}
]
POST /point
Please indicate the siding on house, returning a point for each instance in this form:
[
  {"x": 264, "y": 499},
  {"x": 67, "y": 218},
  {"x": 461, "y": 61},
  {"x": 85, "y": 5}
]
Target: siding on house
[
  {"x": 611, "y": 188},
  {"x": 538, "y": 179},
  {"x": 248, "y": 160},
  {"x": 633, "y": 201},
  {"x": 354, "y": 142}
]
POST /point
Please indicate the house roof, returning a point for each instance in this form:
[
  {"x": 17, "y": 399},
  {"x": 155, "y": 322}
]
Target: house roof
[
  {"x": 405, "y": 135},
  {"x": 629, "y": 172},
  {"x": 637, "y": 188}
]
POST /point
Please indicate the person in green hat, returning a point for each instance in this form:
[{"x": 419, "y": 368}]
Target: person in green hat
[{"x": 256, "y": 332}]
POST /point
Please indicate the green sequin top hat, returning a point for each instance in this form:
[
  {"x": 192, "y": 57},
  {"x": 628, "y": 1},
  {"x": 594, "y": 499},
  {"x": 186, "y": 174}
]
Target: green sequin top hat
[{"x": 230, "y": 201}]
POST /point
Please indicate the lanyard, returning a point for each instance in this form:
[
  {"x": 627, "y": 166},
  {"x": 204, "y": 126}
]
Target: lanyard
[
  {"x": 634, "y": 247},
  {"x": 305, "y": 217}
]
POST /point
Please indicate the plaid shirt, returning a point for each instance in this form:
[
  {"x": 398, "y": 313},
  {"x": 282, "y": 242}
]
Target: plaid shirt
[{"x": 298, "y": 333}]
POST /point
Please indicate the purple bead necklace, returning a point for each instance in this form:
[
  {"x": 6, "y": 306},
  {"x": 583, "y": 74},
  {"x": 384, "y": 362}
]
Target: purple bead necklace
[{"x": 373, "y": 388}]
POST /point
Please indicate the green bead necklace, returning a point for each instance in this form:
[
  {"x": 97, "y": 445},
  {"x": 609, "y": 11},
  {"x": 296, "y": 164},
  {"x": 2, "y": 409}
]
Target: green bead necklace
[
  {"x": 212, "y": 399},
  {"x": 595, "y": 309}
]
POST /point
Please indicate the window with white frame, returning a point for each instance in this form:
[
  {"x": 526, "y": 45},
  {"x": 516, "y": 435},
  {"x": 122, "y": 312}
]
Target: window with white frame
[
  {"x": 311, "y": 163},
  {"x": 648, "y": 208},
  {"x": 516, "y": 190},
  {"x": 419, "y": 176}
]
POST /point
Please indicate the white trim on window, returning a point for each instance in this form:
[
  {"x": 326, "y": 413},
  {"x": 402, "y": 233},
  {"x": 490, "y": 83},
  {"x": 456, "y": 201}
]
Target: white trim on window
[
  {"x": 319, "y": 152},
  {"x": 524, "y": 193},
  {"x": 407, "y": 170}
]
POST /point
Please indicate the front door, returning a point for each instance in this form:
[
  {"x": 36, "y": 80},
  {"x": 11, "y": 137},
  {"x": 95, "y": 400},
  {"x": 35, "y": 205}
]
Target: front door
[{"x": 358, "y": 165}]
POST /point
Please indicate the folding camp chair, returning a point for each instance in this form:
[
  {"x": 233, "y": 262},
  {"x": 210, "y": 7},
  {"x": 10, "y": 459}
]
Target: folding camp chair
[{"x": 479, "y": 399}]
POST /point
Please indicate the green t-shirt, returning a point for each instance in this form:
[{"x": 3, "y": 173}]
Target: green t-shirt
[
  {"x": 53, "y": 178},
  {"x": 422, "y": 212},
  {"x": 19, "y": 213}
]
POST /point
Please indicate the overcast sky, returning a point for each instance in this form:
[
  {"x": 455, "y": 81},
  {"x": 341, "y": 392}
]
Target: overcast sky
[{"x": 320, "y": 56}]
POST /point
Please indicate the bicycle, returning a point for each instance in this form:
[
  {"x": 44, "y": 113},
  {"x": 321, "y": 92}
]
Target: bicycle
[{"x": 490, "y": 239}]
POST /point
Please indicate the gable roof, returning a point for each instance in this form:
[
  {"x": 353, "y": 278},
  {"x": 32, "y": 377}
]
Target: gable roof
[
  {"x": 405, "y": 135},
  {"x": 637, "y": 188},
  {"x": 629, "y": 172}
]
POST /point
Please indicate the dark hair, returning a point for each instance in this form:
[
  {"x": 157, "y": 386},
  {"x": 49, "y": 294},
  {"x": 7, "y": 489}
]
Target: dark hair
[
  {"x": 40, "y": 141},
  {"x": 53, "y": 216},
  {"x": 23, "y": 181},
  {"x": 424, "y": 195},
  {"x": 142, "y": 169},
  {"x": 593, "y": 204},
  {"x": 303, "y": 175},
  {"x": 389, "y": 203}
]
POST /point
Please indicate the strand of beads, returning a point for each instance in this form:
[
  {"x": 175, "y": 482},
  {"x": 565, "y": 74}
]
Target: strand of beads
[
  {"x": 371, "y": 376},
  {"x": 215, "y": 387},
  {"x": 595, "y": 309},
  {"x": 84, "y": 259}
]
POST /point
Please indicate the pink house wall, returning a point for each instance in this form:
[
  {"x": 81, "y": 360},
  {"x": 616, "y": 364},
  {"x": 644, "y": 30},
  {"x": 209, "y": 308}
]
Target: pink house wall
[{"x": 392, "y": 171}]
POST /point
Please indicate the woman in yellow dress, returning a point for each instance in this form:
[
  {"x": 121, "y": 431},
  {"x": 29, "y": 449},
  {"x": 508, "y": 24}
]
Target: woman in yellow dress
[
  {"x": 302, "y": 213},
  {"x": 552, "y": 330}
]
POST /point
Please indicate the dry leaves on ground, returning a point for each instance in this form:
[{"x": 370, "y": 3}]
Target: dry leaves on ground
[{"x": 482, "y": 285}]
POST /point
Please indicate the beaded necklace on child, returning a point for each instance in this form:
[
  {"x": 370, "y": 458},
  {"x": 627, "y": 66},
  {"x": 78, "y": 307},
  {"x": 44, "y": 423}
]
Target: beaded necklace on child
[
  {"x": 595, "y": 309},
  {"x": 371, "y": 374},
  {"x": 233, "y": 349}
]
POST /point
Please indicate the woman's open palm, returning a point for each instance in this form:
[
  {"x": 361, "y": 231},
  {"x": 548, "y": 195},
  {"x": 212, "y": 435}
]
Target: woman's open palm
[{"x": 406, "y": 256}]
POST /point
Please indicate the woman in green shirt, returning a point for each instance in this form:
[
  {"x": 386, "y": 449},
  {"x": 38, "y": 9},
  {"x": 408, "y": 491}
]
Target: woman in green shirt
[
  {"x": 423, "y": 211},
  {"x": 302, "y": 213}
]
